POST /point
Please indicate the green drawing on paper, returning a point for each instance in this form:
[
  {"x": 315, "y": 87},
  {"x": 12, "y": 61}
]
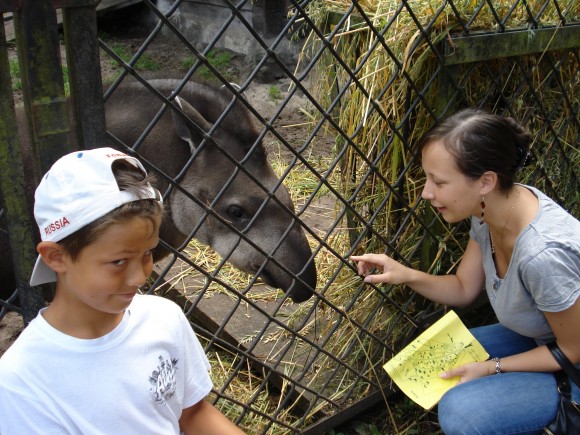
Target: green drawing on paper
[{"x": 417, "y": 368}]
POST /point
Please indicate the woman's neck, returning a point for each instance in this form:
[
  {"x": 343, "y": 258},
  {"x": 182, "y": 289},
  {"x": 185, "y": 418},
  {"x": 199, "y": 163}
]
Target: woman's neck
[
  {"x": 502, "y": 211},
  {"x": 508, "y": 215}
]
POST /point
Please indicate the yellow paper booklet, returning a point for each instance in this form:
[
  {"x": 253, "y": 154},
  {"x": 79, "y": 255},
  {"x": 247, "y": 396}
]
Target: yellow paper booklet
[{"x": 444, "y": 345}]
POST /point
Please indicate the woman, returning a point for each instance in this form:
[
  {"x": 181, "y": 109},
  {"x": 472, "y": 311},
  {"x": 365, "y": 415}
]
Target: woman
[{"x": 524, "y": 249}]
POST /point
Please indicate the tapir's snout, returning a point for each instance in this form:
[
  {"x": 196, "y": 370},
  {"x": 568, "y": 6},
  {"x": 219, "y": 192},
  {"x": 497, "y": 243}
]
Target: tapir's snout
[
  {"x": 299, "y": 287},
  {"x": 302, "y": 289},
  {"x": 298, "y": 280}
]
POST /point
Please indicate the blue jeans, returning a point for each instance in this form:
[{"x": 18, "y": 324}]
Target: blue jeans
[{"x": 510, "y": 403}]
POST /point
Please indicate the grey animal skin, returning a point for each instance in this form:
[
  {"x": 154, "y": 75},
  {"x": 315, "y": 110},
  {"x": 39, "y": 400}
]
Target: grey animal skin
[{"x": 245, "y": 204}]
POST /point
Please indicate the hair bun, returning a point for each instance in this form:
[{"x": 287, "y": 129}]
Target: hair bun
[{"x": 522, "y": 141}]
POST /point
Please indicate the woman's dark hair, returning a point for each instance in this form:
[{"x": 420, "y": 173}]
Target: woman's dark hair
[
  {"x": 480, "y": 142},
  {"x": 129, "y": 178}
]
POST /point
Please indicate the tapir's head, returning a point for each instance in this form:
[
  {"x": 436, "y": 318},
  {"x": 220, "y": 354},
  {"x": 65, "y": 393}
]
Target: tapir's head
[{"x": 227, "y": 194}]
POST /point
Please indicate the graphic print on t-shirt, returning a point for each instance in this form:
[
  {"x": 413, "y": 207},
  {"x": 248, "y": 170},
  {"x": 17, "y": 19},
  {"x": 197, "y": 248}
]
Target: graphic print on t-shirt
[{"x": 162, "y": 380}]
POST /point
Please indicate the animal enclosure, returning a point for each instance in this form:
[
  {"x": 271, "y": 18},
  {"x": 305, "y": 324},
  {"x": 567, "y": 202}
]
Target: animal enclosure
[{"x": 297, "y": 341}]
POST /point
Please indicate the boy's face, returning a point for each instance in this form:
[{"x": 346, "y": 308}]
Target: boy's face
[{"x": 107, "y": 273}]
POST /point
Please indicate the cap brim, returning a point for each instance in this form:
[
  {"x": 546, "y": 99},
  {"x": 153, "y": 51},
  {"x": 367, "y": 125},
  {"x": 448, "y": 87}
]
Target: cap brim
[{"x": 41, "y": 274}]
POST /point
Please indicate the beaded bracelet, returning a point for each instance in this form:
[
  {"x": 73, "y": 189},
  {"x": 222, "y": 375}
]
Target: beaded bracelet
[{"x": 497, "y": 366}]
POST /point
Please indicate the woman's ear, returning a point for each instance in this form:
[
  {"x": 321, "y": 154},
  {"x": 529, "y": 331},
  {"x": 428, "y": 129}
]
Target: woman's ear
[
  {"x": 488, "y": 180},
  {"x": 53, "y": 255}
]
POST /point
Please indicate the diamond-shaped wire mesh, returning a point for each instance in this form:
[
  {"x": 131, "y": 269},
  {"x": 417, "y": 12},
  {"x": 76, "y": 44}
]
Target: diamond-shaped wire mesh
[{"x": 371, "y": 77}]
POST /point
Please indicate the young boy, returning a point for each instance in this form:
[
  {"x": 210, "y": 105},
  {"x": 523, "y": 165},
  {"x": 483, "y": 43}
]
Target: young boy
[{"x": 101, "y": 358}]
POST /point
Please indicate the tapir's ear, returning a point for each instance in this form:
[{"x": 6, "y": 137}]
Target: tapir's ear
[{"x": 184, "y": 128}]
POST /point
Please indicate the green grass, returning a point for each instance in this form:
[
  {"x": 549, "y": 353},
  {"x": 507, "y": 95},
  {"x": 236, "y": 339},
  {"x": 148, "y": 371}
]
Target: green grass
[
  {"x": 274, "y": 93},
  {"x": 218, "y": 59},
  {"x": 145, "y": 63},
  {"x": 15, "y": 75}
]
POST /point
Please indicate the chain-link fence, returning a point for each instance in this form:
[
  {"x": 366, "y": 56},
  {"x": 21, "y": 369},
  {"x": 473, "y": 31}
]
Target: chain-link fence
[{"x": 296, "y": 340}]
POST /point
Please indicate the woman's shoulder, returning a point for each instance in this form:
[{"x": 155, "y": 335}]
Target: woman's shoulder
[
  {"x": 552, "y": 222},
  {"x": 548, "y": 205}
]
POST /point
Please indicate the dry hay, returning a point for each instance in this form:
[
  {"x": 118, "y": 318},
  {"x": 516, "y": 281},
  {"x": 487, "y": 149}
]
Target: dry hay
[
  {"x": 393, "y": 78},
  {"x": 374, "y": 136}
]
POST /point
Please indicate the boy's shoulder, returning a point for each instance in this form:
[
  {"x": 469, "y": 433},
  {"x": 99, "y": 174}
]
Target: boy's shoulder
[
  {"x": 31, "y": 338},
  {"x": 39, "y": 336},
  {"x": 153, "y": 306},
  {"x": 153, "y": 302}
]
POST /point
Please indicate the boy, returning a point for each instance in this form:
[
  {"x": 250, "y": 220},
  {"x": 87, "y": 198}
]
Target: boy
[{"x": 101, "y": 358}]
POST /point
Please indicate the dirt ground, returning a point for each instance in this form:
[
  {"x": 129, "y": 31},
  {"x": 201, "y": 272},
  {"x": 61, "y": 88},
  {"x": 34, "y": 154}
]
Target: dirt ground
[{"x": 10, "y": 328}]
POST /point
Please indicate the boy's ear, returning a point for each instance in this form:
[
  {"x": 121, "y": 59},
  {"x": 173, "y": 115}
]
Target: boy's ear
[
  {"x": 53, "y": 255},
  {"x": 488, "y": 180}
]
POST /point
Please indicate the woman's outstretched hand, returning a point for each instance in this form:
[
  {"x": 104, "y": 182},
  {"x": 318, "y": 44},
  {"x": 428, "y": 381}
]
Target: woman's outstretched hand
[{"x": 379, "y": 268}]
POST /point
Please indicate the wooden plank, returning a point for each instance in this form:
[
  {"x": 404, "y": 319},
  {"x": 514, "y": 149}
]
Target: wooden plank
[
  {"x": 102, "y": 7},
  {"x": 482, "y": 47},
  {"x": 86, "y": 86},
  {"x": 14, "y": 5},
  {"x": 112, "y": 5},
  {"x": 13, "y": 178}
]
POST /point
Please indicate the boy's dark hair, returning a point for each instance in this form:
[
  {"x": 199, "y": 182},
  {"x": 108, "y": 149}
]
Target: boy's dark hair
[
  {"x": 129, "y": 178},
  {"x": 480, "y": 142}
]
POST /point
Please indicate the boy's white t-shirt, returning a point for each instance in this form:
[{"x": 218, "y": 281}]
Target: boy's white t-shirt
[{"x": 135, "y": 380}]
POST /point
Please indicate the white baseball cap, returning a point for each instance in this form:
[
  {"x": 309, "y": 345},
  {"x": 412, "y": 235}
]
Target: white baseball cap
[{"x": 78, "y": 189}]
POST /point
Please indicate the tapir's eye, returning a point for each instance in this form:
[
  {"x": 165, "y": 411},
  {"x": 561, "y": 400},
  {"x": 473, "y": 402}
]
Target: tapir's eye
[{"x": 237, "y": 213}]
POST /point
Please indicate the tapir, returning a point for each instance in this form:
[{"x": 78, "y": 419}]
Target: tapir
[{"x": 220, "y": 187}]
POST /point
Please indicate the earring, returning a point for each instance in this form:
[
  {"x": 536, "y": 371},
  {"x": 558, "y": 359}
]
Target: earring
[{"x": 481, "y": 221}]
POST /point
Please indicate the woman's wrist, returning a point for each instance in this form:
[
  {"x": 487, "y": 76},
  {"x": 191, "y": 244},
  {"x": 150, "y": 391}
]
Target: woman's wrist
[
  {"x": 489, "y": 365},
  {"x": 494, "y": 366}
]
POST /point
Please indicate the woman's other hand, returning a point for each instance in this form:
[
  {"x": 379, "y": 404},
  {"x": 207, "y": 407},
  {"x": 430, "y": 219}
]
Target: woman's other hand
[{"x": 470, "y": 371}]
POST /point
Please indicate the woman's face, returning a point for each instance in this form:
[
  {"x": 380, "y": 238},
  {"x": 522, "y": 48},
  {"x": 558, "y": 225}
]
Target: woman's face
[{"x": 453, "y": 194}]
